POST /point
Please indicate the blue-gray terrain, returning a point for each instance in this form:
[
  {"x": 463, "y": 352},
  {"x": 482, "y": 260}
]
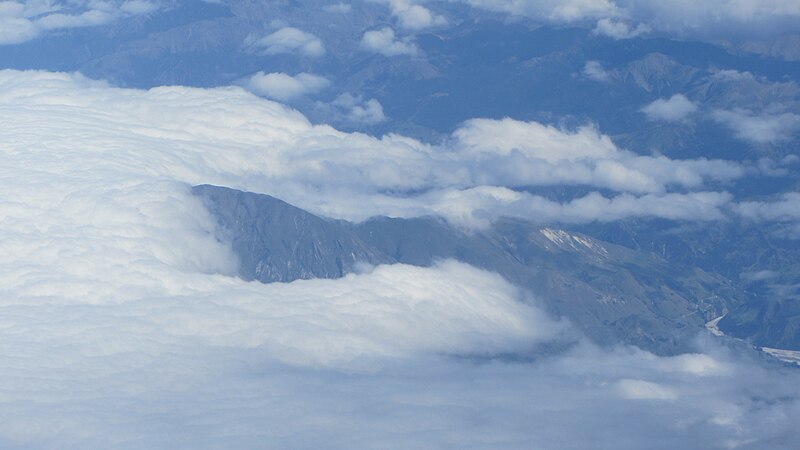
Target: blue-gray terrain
[{"x": 612, "y": 293}]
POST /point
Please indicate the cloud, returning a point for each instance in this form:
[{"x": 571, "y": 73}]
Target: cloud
[
  {"x": 552, "y": 10},
  {"x": 358, "y": 110},
  {"x": 121, "y": 327},
  {"x": 715, "y": 19},
  {"x": 764, "y": 128},
  {"x": 479, "y": 207},
  {"x": 383, "y": 41},
  {"x": 340, "y": 8},
  {"x": 284, "y": 87},
  {"x": 673, "y": 109},
  {"x": 593, "y": 70},
  {"x": 261, "y": 146},
  {"x": 644, "y": 390},
  {"x": 530, "y": 153},
  {"x": 619, "y": 29},
  {"x": 761, "y": 275},
  {"x": 22, "y": 22},
  {"x": 787, "y": 208},
  {"x": 290, "y": 40},
  {"x": 414, "y": 16},
  {"x": 784, "y": 210},
  {"x": 138, "y": 7},
  {"x": 15, "y": 30}
]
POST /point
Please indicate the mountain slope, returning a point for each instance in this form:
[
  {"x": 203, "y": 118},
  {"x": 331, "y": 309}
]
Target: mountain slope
[{"x": 610, "y": 292}]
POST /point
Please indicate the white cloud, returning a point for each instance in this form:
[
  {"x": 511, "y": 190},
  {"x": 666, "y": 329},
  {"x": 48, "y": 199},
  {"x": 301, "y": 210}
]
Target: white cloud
[
  {"x": 787, "y": 208},
  {"x": 552, "y": 10},
  {"x": 514, "y": 153},
  {"x": 784, "y": 210},
  {"x": 22, "y": 22},
  {"x": 713, "y": 19},
  {"x": 120, "y": 329},
  {"x": 673, "y": 109},
  {"x": 383, "y": 41},
  {"x": 138, "y": 7},
  {"x": 479, "y": 207},
  {"x": 284, "y": 87},
  {"x": 595, "y": 71},
  {"x": 15, "y": 30},
  {"x": 619, "y": 29},
  {"x": 291, "y": 40},
  {"x": 86, "y": 19},
  {"x": 261, "y": 146},
  {"x": 358, "y": 110},
  {"x": 340, "y": 8},
  {"x": 764, "y": 128},
  {"x": 414, "y": 16},
  {"x": 644, "y": 390}
]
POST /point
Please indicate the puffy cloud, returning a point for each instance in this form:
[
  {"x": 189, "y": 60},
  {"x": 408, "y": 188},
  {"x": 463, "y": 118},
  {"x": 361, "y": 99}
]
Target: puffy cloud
[
  {"x": 383, "y": 41},
  {"x": 478, "y": 207},
  {"x": 354, "y": 176},
  {"x": 764, "y": 128},
  {"x": 785, "y": 210},
  {"x": 15, "y": 30},
  {"x": 716, "y": 18},
  {"x": 595, "y": 71},
  {"x": 284, "y": 87},
  {"x": 22, "y": 22},
  {"x": 619, "y": 29},
  {"x": 231, "y": 138},
  {"x": 120, "y": 327},
  {"x": 290, "y": 40},
  {"x": 710, "y": 19},
  {"x": 86, "y": 19},
  {"x": 358, "y": 110},
  {"x": 673, "y": 109},
  {"x": 414, "y": 16},
  {"x": 530, "y": 153}
]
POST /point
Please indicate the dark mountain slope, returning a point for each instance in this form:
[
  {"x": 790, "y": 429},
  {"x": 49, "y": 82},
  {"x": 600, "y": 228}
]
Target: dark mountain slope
[{"x": 612, "y": 293}]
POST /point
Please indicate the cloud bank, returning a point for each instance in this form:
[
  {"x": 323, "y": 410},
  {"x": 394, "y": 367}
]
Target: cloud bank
[
  {"x": 121, "y": 327},
  {"x": 228, "y": 137},
  {"x": 22, "y": 22},
  {"x": 716, "y": 19}
]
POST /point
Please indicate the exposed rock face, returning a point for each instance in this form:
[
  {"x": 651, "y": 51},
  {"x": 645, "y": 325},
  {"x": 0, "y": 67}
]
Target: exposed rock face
[
  {"x": 612, "y": 293},
  {"x": 277, "y": 242}
]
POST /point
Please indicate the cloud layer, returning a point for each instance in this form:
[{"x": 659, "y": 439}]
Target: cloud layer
[
  {"x": 228, "y": 137},
  {"x": 22, "y": 22},
  {"x": 716, "y": 19},
  {"x": 121, "y": 327}
]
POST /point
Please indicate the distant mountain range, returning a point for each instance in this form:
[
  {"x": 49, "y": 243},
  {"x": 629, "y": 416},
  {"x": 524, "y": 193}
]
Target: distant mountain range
[{"x": 657, "y": 296}]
